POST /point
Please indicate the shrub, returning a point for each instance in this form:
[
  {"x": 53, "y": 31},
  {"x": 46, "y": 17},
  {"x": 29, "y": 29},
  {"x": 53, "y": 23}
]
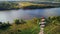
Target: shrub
[{"x": 17, "y": 21}]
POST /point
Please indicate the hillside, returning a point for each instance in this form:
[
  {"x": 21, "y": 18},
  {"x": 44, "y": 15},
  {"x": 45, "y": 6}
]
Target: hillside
[
  {"x": 31, "y": 26},
  {"x": 20, "y": 27}
]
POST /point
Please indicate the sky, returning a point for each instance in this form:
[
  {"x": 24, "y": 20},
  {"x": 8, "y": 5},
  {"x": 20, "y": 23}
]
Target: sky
[
  {"x": 17, "y": 0},
  {"x": 33, "y": 0},
  {"x": 27, "y": 0}
]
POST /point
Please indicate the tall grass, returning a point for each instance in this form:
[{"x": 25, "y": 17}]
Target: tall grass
[
  {"x": 53, "y": 25},
  {"x": 19, "y": 27}
]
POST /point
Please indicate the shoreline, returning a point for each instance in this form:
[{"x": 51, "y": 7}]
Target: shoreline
[{"x": 27, "y": 8}]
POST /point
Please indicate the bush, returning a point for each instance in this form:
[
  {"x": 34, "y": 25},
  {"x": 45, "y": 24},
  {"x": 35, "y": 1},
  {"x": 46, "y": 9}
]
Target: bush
[
  {"x": 17, "y": 21},
  {"x": 21, "y": 21}
]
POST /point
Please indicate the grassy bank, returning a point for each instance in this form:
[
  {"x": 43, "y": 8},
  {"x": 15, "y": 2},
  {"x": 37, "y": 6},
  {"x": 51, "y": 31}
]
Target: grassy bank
[
  {"x": 21, "y": 27},
  {"x": 53, "y": 25}
]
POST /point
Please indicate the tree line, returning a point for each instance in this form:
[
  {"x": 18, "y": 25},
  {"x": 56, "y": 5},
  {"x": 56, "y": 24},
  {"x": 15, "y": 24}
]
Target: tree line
[{"x": 8, "y": 5}]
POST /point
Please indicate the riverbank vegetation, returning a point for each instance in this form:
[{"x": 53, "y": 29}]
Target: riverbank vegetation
[
  {"x": 8, "y": 5},
  {"x": 21, "y": 26},
  {"x": 24, "y": 5},
  {"x": 53, "y": 25}
]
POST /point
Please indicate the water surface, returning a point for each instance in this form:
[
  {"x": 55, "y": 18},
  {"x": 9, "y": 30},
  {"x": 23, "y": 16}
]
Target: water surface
[{"x": 10, "y": 15}]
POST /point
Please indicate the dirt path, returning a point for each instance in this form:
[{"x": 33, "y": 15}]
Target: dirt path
[
  {"x": 41, "y": 31},
  {"x": 42, "y": 25}
]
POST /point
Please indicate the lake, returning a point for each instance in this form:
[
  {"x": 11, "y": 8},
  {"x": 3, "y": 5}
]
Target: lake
[{"x": 10, "y": 15}]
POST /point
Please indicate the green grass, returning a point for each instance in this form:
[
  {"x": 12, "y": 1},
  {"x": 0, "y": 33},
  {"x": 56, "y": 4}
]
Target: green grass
[
  {"x": 53, "y": 27},
  {"x": 30, "y": 27}
]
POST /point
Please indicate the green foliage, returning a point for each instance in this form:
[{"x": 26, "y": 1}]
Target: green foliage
[
  {"x": 17, "y": 21},
  {"x": 4, "y": 26},
  {"x": 31, "y": 26},
  {"x": 21, "y": 21},
  {"x": 8, "y": 5},
  {"x": 53, "y": 25},
  {"x": 24, "y": 27}
]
